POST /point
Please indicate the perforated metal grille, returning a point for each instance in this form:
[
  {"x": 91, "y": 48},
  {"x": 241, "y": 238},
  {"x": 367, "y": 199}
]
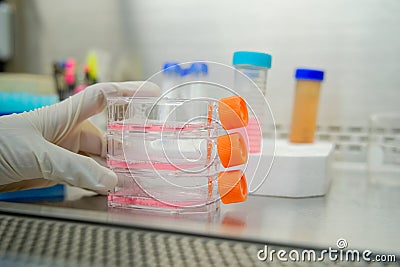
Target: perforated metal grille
[{"x": 39, "y": 242}]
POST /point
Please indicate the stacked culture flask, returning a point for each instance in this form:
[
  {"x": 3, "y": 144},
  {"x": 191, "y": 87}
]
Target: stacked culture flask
[{"x": 167, "y": 159}]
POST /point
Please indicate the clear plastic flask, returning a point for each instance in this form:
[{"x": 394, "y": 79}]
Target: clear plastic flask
[{"x": 167, "y": 159}]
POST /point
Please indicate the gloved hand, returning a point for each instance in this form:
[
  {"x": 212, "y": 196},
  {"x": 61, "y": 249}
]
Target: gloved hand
[{"x": 44, "y": 143}]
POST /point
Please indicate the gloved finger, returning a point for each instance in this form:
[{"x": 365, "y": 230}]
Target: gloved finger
[
  {"x": 94, "y": 97},
  {"x": 29, "y": 161},
  {"x": 57, "y": 121},
  {"x": 85, "y": 137},
  {"x": 93, "y": 140},
  {"x": 58, "y": 164}
]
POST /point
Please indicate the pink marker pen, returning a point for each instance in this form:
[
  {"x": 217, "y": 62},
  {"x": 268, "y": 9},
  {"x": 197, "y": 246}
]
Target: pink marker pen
[{"x": 69, "y": 74}]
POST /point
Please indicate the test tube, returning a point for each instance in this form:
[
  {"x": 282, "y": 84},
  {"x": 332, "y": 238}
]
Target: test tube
[
  {"x": 255, "y": 66},
  {"x": 305, "y": 106}
]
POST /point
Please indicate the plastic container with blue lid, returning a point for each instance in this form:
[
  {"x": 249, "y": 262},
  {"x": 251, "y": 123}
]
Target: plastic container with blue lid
[
  {"x": 175, "y": 74},
  {"x": 256, "y": 59},
  {"x": 305, "y": 108},
  {"x": 255, "y": 66}
]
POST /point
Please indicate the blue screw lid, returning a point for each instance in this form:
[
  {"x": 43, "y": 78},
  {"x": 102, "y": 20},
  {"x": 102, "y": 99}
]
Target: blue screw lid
[
  {"x": 172, "y": 67},
  {"x": 197, "y": 68},
  {"x": 309, "y": 74},
  {"x": 252, "y": 58}
]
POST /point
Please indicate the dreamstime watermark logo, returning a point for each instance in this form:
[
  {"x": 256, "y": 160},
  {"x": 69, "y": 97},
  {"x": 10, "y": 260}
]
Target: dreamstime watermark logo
[{"x": 339, "y": 253}]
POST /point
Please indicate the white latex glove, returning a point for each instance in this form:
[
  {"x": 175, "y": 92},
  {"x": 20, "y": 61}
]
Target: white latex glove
[{"x": 44, "y": 143}]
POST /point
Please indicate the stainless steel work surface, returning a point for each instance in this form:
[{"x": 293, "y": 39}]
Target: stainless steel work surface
[
  {"x": 366, "y": 216},
  {"x": 28, "y": 241}
]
